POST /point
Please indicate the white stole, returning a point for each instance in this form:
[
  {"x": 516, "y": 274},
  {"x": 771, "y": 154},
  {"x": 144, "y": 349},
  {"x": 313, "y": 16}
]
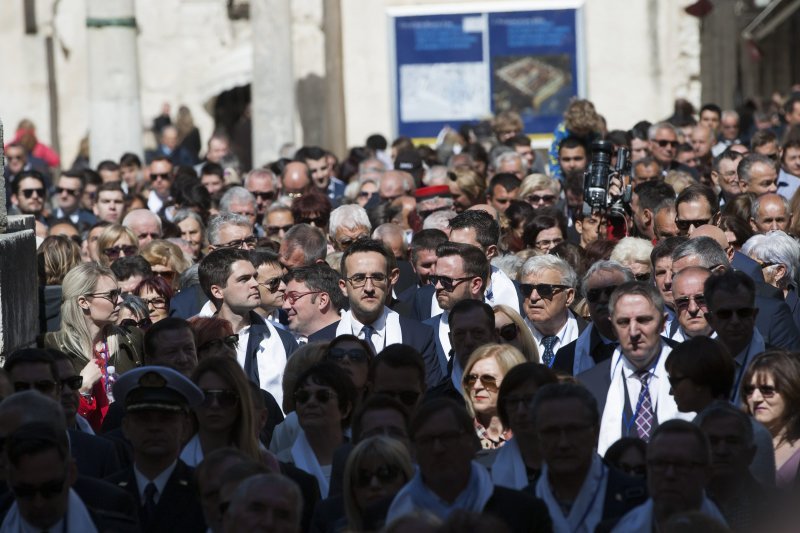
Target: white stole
[
  {"x": 508, "y": 469},
  {"x": 391, "y": 329},
  {"x": 271, "y": 359},
  {"x": 78, "y": 518},
  {"x": 583, "y": 358},
  {"x": 641, "y": 518},
  {"x": 304, "y": 459},
  {"x": 587, "y": 509}
]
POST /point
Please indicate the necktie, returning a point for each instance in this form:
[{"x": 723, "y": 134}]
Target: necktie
[
  {"x": 548, "y": 341},
  {"x": 644, "y": 416},
  {"x": 150, "y": 502},
  {"x": 368, "y": 331}
]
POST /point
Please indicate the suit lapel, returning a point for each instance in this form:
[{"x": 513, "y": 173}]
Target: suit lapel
[{"x": 258, "y": 330}]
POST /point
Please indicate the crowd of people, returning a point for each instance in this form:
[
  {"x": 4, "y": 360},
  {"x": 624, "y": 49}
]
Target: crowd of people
[{"x": 414, "y": 338}]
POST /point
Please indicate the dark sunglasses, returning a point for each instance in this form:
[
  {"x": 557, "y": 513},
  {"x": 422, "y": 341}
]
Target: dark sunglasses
[
  {"x": 272, "y": 284},
  {"x": 385, "y": 474},
  {"x": 142, "y": 324},
  {"x": 355, "y": 355},
  {"x": 266, "y": 196},
  {"x": 684, "y": 225},
  {"x": 238, "y": 243},
  {"x": 45, "y": 386},
  {"x": 323, "y": 396},
  {"x": 489, "y": 382},
  {"x": 146, "y": 235},
  {"x": 316, "y": 221},
  {"x": 112, "y": 295},
  {"x": 46, "y": 490},
  {"x": 535, "y": 198},
  {"x": 275, "y": 230},
  {"x": 767, "y": 391},
  {"x": 642, "y": 276},
  {"x": 448, "y": 284},
  {"x": 593, "y": 295},
  {"x": 726, "y": 314},
  {"x": 28, "y": 193},
  {"x": 509, "y": 332},
  {"x": 406, "y": 397},
  {"x": 683, "y": 302},
  {"x": 15, "y": 157},
  {"x": 663, "y": 143},
  {"x": 71, "y": 192},
  {"x": 545, "y": 290},
  {"x": 72, "y": 382},
  {"x": 154, "y": 177},
  {"x": 231, "y": 341},
  {"x": 167, "y": 275},
  {"x": 115, "y": 251},
  {"x": 222, "y": 397}
]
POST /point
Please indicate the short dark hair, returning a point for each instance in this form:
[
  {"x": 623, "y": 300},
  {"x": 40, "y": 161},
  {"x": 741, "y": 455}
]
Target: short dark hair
[
  {"x": 376, "y": 402},
  {"x": 677, "y": 426},
  {"x": 665, "y": 247},
  {"x": 25, "y": 174},
  {"x": 487, "y": 230},
  {"x": 311, "y": 240},
  {"x": 723, "y": 409},
  {"x": 563, "y": 391},
  {"x": 309, "y": 152},
  {"x": 506, "y": 180},
  {"x": 518, "y": 376},
  {"x": 212, "y": 169},
  {"x": 31, "y": 356},
  {"x": 376, "y": 141},
  {"x": 215, "y": 268},
  {"x": 698, "y": 191},
  {"x": 71, "y": 174},
  {"x": 652, "y": 193},
  {"x": 331, "y": 375},
  {"x": 112, "y": 186},
  {"x": 465, "y": 306},
  {"x": 714, "y": 108},
  {"x": 762, "y": 138},
  {"x": 619, "y": 138},
  {"x": 428, "y": 409},
  {"x": 34, "y": 438},
  {"x": 320, "y": 277},
  {"x": 474, "y": 260},
  {"x": 265, "y": 257},
  {"x": 729, "y": 282},
  {"x": 572, "y": 142},
  {"x": 130, "y": 160},
  {"x": 107, "y": 164},
  {"x": 518, "y": 140},
  {"x": 125, "y": 267},
  {"x": 728, "y": 154},
  {"x": 170, "y": 323},
  {"x": 714, "y": 369},
  {"x": 427, "y": 239},
  {"x": 365, "y": 245},
  {"x": 399, "y": 356}
]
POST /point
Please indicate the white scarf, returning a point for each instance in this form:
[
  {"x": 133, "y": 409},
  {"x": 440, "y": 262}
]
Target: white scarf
[
  {"x": 587, "y": 509},
  {"x": 391, "y": 330},
  {"x": 664, "y": 403},
  {"x": 641, "y": 518},
  {"x": 304, "y": 459},
  {"x": 78, "y": 518},
  {"x": 416, "y": 496},
  {"x": 501, "y": 290},
  {"x": 508, "y": 469}
]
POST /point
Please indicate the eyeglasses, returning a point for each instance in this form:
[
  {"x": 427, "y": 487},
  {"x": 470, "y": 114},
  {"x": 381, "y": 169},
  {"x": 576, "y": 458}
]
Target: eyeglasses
[
  {"x": 232, "y": 341},
  {"x": 150, "y": 235},
  {"x": 115, "y": 251},
  {"x": 143, "y": 323},
  {"x": 112, "y": 295},
  {"x": 293, "y": 296},
  {"x": 338, "y": 355},
  {"x": 313, "y": 221},
  {"x": 385, "y": 474},
  {"x": 726, "y": 314},
  {"x": 767, "y": 391},
  {"x": 272, "y": 284},
  {"x": 593, "y": 295},
  {"x": 547, "y": 243},
  {"x": 47, "y": 490},
  {"x": 323, "y": 396},
  {"x": 536, "y": 199},
  {"x": 366, "y": 194},
  {"x": 448, "y": 284},
  {"x": 545, "y": 290},
  {"x": 509, "y": 332},
  {"x": 15, "y": 157},
  {"x": 684, "y": 225},
  {"x": 276, "y": 230},
  {"x": 71, "y": 192},
  {"x": 158, "y": 302},
  {"x": 72, "y": 382},
  {"x": 224, "y": 398},
  {"x": 489, "y": 382},
  {"x": 266, "y": 196},
  {"x": 406, "y": 397},
  {"x": 663, "y": 143},
  {"x": 682, "y": 303},
  {"x": 238, "y": 243},
  {"x": 45, "y": 386},
  {"x": 28, "y": 193},
  {"x": 680, "y": 467},
  {"x": 164, "y": 176},
  {"x": 359, "y": 280},
  {"x": 767, "y": 265}
]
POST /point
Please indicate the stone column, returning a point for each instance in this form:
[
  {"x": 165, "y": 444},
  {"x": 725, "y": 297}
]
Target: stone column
[
  {"x": 335, "y": 131},
  {"x": 115, "y": 118},
  {"x": 3, "y": 211},
  {"x": 272, "y": 90}
]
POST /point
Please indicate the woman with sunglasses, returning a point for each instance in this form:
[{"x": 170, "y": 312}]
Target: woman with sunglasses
[
  {"x": 771, "y": 391},
  {"x": 483, "y": 375},
  {"x": 213, "y": 337},
  {"x": 166, "y": 260},
  {"x": 376, "y": 470},
  {"x": 225, "y": 418},
  {"x": 99, "y": 349},
  {"x": 156, "y": 294},
  {"x": 512, "y": 330},
  {"x": 133, "y": 312},
  {"x": 517, "y": 464},
  {"x": 324, "y": 396},
  {"x": 114, "y": 242},
  {"x": 352, "y": 355}
]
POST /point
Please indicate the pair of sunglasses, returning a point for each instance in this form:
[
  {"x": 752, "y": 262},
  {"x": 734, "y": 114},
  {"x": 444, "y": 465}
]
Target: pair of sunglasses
[
  {"x": 545, "y": 290},
  {"x": 45, "y": 386},
  {"x": 743, "y": 313},
  {"x": 355, "y": 355},
  {"x": 489, "y": 382},
  {"x": 272, "y": 284},
  {"x": 224, "y": 398},
  {"x": 141, "y": 324},
  {"x": 46, "y": 490},
  {"x": 385, "y": 473},
  {"x": 232, "y": 341},
  {"x": 448, "y": 284},
  {"x": 115, "y": 251},
  {"x": 509, "y": 332},
  {"x": 322, "y": 396},
  {"x": 272, "y": 231},
  {"x": 112, "y": 296},
  {"x": 593, "y": 295},
  {"x": 767, "y": 391}
]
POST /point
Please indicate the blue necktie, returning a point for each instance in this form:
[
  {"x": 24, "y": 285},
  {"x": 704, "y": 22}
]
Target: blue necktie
[
  {"x": 368, "y": 331},
  {"x": 549, "y": 341}
]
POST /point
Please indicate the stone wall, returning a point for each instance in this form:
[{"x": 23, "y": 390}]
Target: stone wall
[{"x": 19, "y": 308}]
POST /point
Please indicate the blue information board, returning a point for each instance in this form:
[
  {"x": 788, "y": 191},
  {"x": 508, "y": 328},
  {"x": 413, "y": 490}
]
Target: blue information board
[{"x": 463, "y": 67}]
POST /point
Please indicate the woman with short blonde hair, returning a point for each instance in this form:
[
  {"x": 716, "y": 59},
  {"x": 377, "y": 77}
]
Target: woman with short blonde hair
[
  {"x": 114, "y": 242},
  {"x": 467, "y": 187},
  {"x": 166, "y": 259}
]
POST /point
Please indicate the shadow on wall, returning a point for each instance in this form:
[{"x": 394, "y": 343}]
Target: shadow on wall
[{"x": 310, "y": 97}]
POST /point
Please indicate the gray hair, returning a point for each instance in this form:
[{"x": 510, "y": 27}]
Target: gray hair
[
  {"x": 255, "y": 485},
  {"x": 708, "y": 250},
  {"x": 729, "y": 113},
  {"x": 605, "y": 266},
  {"x": 138, "y": 214},
  {"x": 390, "y": 229},
  {"x": 236, "y": 195},
  {"x": 632, "y": 250},
  {"x": 350, "y": 217},
  {"x": 439, "y": 220},
  {"x": 745, "y": 167},
  {"x": 756, "y": 205},
  {"x": 775, "y": 247},
  {"x": 216, "y": 224},
  {"x": 277, "y": 206},
  {"x": 263, "y": 172},
  {"x": 638, "y": 288},
  {"x": 135, "y": 305},
  {"x": 538, "y": 263},
  {"x": 655, "y": 128},
  {"x": 511, "y": 155}
]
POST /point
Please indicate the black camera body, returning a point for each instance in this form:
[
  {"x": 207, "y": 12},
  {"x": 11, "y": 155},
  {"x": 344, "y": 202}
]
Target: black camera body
[{"x": 597, "y": 180}]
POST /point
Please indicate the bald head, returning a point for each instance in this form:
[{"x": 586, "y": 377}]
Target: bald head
[
  {"x": 295, "y": 178},
  {"x": 709, "y": 230},
  {"x": 145, "y": 224},
  {"x": 394, "y": 184}
]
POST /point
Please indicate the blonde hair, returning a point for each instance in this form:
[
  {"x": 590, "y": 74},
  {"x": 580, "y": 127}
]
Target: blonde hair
[
  {"x": 678, "y": 180},
  {"x": 581, "y": 118},
  {"x": 301, "y": 360},
  {"x": 529, "y": 349},
  {"x": 470, "y": 183},
  {"x": 109, "y": 236},
  {"x": 507, "y": 120},
  {"x": 507, "y": 357},
  {"x": 537, "y": 182},
  {"x": 383, "y": 449},
  {"x": 168, "y": 254},
  {"x": 57, "y": 254}
]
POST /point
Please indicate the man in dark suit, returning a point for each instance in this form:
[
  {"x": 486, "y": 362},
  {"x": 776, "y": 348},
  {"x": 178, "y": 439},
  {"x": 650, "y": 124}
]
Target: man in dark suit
[
  {"x": 367, "y": 282},
  {"x": 68, "y": 200},
  {"x": 157, "y": 402},
  {"x": 598, "y": 341}
]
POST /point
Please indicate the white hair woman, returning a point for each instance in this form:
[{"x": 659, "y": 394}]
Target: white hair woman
[
  {"x": 634, "y": 253},
  {"x": 98, "y": 348}
]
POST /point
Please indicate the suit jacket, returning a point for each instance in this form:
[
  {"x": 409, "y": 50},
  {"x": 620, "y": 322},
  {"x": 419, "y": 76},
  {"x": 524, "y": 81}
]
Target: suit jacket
[
  {"x": 188, "y": 302},
  {"x": 422, "y": 302},
  {"x": 748, "y": 266},
  {"x": 793, "y": 301},
  {"x": 521, "y": 512},
  {"x": 408, "y": 278},
  {"x": 95, "y": 457},
  {"x": 775, "y": 321},
  {"x": 435, "y": 323},
  {"x": 309, "y": 488},
  {"x": 415, "y": 334},
  {"x": 565, "y": 357},
  {"x": 258, "y": 330},
  {"x": 178, "y": 507}
]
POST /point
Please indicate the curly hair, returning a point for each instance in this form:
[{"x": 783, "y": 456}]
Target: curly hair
[{"x": 581, "y": 118}]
